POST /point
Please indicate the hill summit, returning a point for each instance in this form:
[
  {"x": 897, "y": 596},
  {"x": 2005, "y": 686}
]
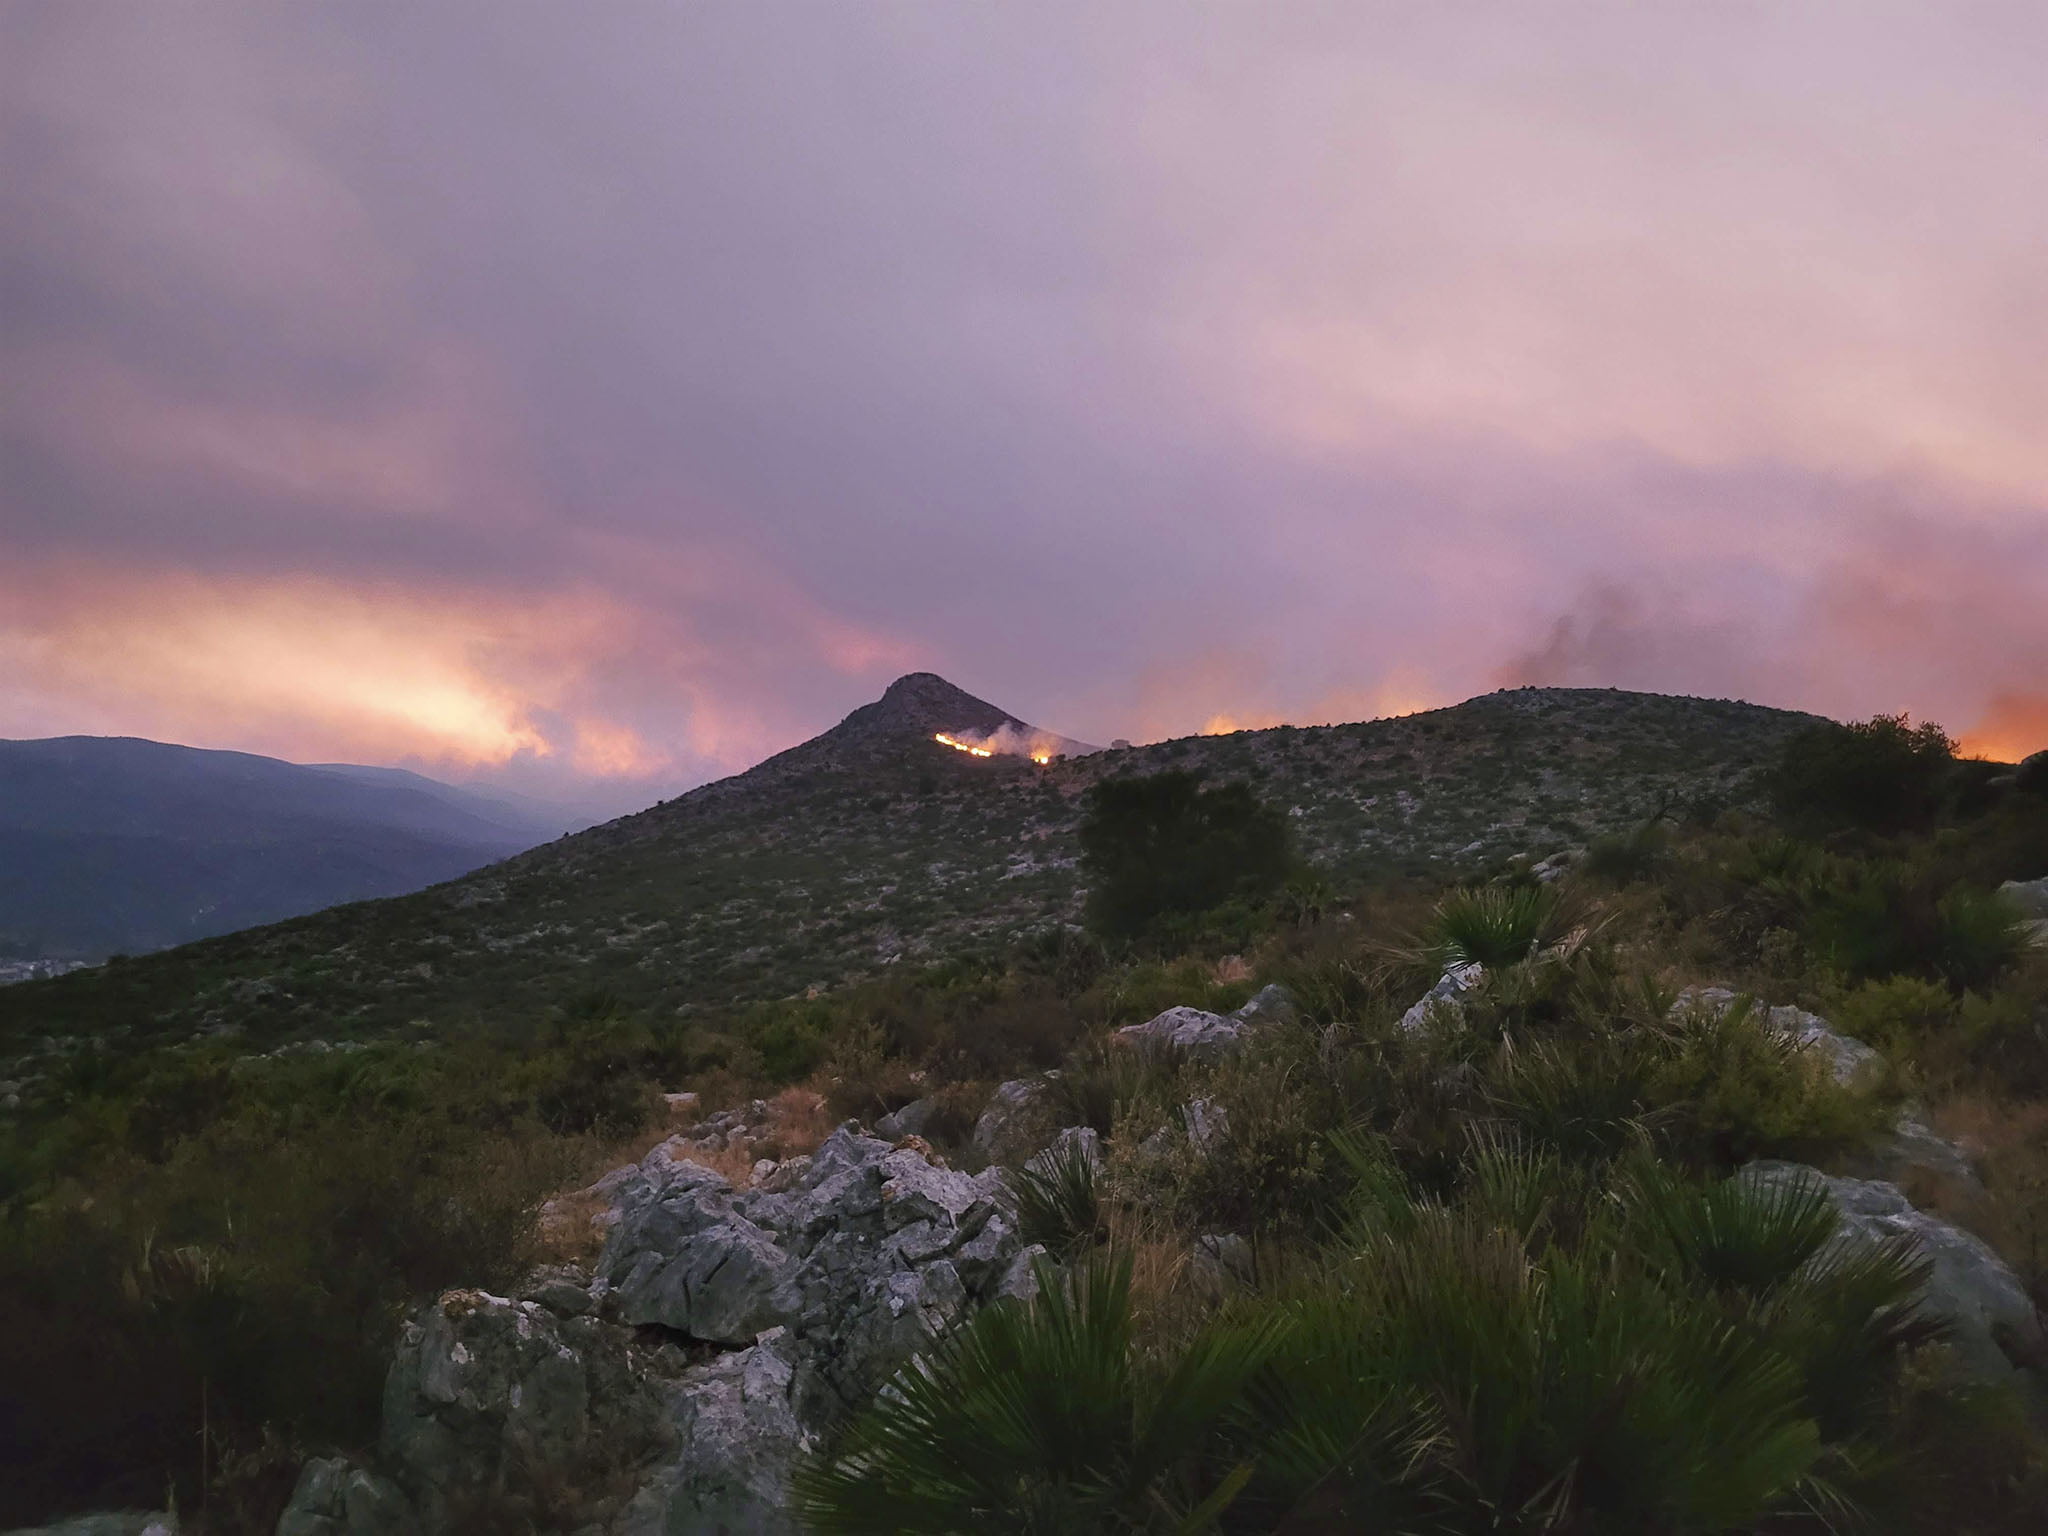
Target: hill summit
[{"x": 922, "y": 707}]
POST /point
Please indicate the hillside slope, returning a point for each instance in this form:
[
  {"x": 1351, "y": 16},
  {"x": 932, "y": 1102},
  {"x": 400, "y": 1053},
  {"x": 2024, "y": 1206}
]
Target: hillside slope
[
  {"x": 873, "y": 844},
  {"x": 113, "y": 844}
]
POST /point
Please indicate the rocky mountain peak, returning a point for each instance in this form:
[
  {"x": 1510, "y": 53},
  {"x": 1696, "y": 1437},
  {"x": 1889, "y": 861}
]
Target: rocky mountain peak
[{"x": 920, "y": 703}]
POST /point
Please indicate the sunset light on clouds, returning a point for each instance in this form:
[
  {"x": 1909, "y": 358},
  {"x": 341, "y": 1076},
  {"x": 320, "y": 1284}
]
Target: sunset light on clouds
[{"x": 597, "y": 399}]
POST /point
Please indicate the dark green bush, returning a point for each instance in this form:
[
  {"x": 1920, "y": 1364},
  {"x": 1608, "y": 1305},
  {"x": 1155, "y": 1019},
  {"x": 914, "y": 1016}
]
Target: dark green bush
[
  {"x": 252, "y": 1283},
  {"x": 1165, "y": 845},
  {"x": 1881, "y": 775},
  {"x": 1871, "y": 919}
]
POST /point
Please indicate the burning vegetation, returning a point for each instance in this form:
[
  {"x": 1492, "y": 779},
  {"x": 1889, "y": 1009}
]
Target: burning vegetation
[{"x": 1006, "y": 742}]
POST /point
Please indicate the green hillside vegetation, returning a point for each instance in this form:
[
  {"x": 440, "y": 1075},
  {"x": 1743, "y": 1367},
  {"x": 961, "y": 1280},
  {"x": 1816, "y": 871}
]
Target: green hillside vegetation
[
  {"x": 872, "y": 847},
  {"x": 1495, "y": 1274}
]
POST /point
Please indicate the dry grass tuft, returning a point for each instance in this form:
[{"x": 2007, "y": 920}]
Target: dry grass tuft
[
  {"x": 2010, "y": 1142},
  {"x": 569, "y": 1229},
  {"x": 798, "y": 1120}
]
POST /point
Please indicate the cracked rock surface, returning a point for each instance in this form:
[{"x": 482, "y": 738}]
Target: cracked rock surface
[{"x": 724, "y": 1330}]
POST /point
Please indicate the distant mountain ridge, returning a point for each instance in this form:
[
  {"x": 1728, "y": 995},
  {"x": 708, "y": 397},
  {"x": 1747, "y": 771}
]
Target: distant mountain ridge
[
  {"x": 119, "y": 844},
  {"x": 872, "y": 845}
]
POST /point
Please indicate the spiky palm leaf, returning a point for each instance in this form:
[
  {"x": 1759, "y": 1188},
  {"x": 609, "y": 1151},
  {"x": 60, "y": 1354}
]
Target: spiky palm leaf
[
  {"x": 1495, "y": 925},
  {"x": 1449, "y": 1380},
  {"x": 1056, "y": 1202},
  {"x": 1038, "y": 1419}
]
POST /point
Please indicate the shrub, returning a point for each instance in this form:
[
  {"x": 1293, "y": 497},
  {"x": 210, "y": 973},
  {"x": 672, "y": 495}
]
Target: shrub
[
  {"x": 1625, "y": 857},
  {"x": 251, "y": 1284},
  {"x": 1162, "y": 845},
  {"x": 1902, "y": 1014},
  {"x": 1887, "y": 918},
  {"x": 1039, "y": 1418},
  {"x": 1882, "y": 775},
  {"x": 1732, "y": 1088},
  {"x": 1104, "y": 1082},
  {"x": 1495, "y": 925}
]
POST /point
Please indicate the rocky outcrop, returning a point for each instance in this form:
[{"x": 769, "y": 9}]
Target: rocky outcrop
[
  {"x": 913, "y": 1119},
  {"x": 1995, "y": 1333},
  {"x": 669, "y": 1394}
]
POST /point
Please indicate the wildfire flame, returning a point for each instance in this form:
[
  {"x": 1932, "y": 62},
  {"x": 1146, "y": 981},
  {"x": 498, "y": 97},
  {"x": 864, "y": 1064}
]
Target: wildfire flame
[{"x": 1039, "y": 755}]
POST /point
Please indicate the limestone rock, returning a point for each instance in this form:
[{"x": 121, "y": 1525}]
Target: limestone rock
[
  {"x": 1204, "y": 1036},
  {"x": 739, "y": 1436},
  {"x": 727, "y": 1329},
  {"x": 2030, "y": 896},
  {"x": 334, "y": 1499},
  {"x": 1271, "y": 1004},
  {"x": 1970, "y": 1287},
  {"x": 1012, "y": 1125},
  {"x": 1450, "y": 992},
  {"x": 911, "y": 1120},
  {"x": 1083, "y": 1138}
]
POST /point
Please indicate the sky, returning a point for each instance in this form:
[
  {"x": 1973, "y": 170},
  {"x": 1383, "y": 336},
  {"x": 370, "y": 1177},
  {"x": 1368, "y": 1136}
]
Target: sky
[{"x": 593, "y": 399}]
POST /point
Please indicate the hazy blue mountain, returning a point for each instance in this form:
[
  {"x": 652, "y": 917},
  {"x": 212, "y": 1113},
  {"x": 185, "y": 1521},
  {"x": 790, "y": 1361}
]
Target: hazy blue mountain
[{"x": 114, "y": 844}]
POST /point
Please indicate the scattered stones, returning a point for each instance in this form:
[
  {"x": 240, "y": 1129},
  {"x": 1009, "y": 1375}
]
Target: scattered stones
[
  {"x": 1995, "y": 1330},
  {"x": 1557, "y": 866}
]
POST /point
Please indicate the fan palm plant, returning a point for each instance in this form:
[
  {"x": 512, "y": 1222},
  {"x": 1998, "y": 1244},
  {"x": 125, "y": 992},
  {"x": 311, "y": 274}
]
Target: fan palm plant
[
  {"x": 1056, "y": 1202},
  {"x": 1496, "y": 925},
  {"x": 1447, "y": 1380},
  {"x": 1044, "y": 1418}
]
